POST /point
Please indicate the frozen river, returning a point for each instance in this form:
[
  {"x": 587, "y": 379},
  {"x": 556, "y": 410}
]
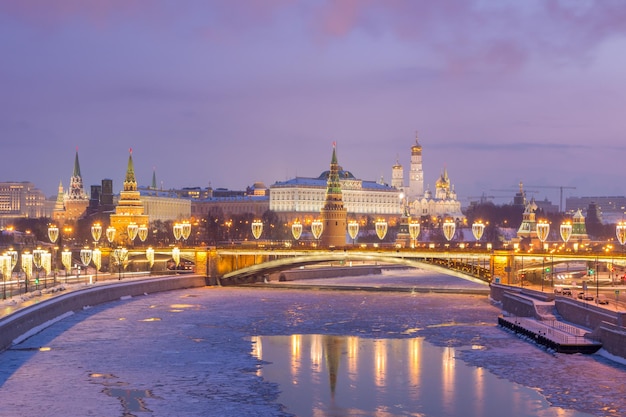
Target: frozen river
[{"x": 195, "y": 352}]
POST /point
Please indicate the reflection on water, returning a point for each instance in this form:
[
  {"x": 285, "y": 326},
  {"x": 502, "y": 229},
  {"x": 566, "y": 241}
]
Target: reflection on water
[{"x": 322, "y": 375}]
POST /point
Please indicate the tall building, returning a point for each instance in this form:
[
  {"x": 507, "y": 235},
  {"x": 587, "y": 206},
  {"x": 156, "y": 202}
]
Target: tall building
[
  {"x": 416, "y": 173},
  {"x": 397, "y": 176},
  {"x": 129, "y": 208},
  {"x": 333, "y": 213},
  {"x": 20, "y": 199}
]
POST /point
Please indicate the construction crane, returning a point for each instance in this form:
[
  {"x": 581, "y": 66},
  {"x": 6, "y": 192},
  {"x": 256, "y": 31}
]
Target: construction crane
[
  {"x": 560, "y": 187},
  {"x": 481, "y": 198}
]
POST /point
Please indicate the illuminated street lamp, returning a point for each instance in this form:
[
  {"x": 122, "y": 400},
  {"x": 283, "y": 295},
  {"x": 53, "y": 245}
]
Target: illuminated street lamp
[
  {"x": 66, "y": 260},
  {"x": 381, "y": 228},
  {"x": 566, "y": 231},
  {"x": 96, "y": 233},
  {"x": 53, "y": 235},
  {"x": 97, "y": 260},
  {"x": 353, "y": 229},
  {"x": 296, "y": 229},
  {"x": 120, "y": 255},
  {"x": 27, "y": 267},
  {"x": 132, "y": 229},
  {"x": 150, "y": 257},
  {"x": 176, "y": 256},
  {"x": 142, "y": 232},
  {"x": 478, "y": 228},
  {"x": 257, "y": 228},
  {"x": 177, "y": 229},
  {"x": 110, "y": 232},
  {"x": 449, "y": 227},
  {"x": 414, "y": 231},
  {"x": 6, "y": 270},
  {"x": 37, "y": 261},
  {"x": 543, "y": 229},
  {"x": 185, "y": 231},
  {"x": 85, "y": 257},
  {"x": 317, "y": 227}
]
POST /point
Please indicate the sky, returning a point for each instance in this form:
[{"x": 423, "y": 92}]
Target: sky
[{"x": 227, "y": 93}]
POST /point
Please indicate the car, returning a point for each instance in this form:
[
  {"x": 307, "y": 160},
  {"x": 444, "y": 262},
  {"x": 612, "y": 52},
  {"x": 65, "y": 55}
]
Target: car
[
  {"x": 602, "y": 299},
  {"x": 566, "y": 291}
]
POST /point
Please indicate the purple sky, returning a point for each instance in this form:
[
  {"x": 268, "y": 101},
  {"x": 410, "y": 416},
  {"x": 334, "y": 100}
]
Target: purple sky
[{"x": 233, "y": 92}]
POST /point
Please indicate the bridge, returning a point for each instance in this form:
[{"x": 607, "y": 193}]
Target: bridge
[
  {"x": 232, "y": 266},
  {"x": 238, "y": 266}
]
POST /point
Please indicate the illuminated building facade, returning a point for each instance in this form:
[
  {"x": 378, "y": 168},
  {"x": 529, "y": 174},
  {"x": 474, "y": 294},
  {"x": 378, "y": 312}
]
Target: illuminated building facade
[{"x": 20, "y": 199}]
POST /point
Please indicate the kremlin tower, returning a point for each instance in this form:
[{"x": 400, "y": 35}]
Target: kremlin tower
[
  {"x": 416, "y": 173},
  {"x": 129, "y": 208},
  {"x": 75, "y": 201},
  {"x": 334, "y": 215}
]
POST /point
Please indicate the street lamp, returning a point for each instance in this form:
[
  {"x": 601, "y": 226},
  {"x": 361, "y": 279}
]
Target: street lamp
[
  {"x": 414, "y": 231},
  {"x": 185, "y": 231},
  {"x": 111, "y": 234},
  {"x": 5, "y": 269},
  {"x": 478, "y": 228},
  {"x": 97, "y": 260},
  {"x": 543, "y": 229},
  {"x": 150, "y": 257},
  {"x": 121, "y": 255},
  {"x": 96, "y": 233},
  {"x": 66, "y": 260},
  {"x": 37, "y": 260},
  {"x": 176, "y": 256},
  {"x": 177, "y": 229},
  {"x": 296, "y": 229},
  {"x": 449, "y": 227},
  {"x": 317, "y": 227},
  {"x": 132, "y": 230},
  {"x": 381, "y": 228},
  {"x": 566, "y": 231},
  {"x": 257, "y": 228},
  {"x": 13, "y": 255},
  {"x": 142, "y": 232},
  {"x": 85, "y": 257},
  {"x": 353, "y": 230},
  {"x": 620, "y": 232},
  {"x": 53, "y": 235},
  {"x": 27, "y": 267}
]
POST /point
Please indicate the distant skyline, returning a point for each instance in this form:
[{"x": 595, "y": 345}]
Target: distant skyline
[{"x": 229, "y": 93}]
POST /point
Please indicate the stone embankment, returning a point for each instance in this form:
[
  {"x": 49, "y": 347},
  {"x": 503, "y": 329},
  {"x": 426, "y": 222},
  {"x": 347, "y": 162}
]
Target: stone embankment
[
  {"x": 601, "y": 324},
  {"x": 14, "y": 325}
]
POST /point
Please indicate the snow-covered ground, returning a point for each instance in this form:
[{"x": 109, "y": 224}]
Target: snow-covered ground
[{"x": 188, "y": 353}]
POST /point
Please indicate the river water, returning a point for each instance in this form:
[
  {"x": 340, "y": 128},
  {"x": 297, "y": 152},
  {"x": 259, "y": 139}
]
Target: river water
[{"x": 284, "y": 352}]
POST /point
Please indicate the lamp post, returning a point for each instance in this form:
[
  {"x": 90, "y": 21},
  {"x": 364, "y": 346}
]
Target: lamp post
[
  {"x": 150, "y": 258},
  {"x": 296, "y": 229},
  {"x": 66, "y": 259},
  {"x": 85, "y": 257},
  {"x": 96, "y": 233},
  {"x": 317, "y": 227},
  {"x": 478, "y": 228},
  {"x": 176, "y": 256},
  {"x": 449, "y": 227},
  {"x": 120, "y": 254},
  {"x": 37, "y": 260},
  {"x": 27, "y": 267},
  {"x": 14, "y": 256},
  {"x": 5, "y": 269},
  {"x": 53, "y": 235},
  {"x": 543, "y": 229},
  {"x": 257, "y": 228},
  {"x": 620, "y": 232},
  {"x": 177, "y": 229},
  {"x": 132, "y": 229},
  {"x": 97, "y": 260},
  {"x": 110, "y": 232},
  {"x": 381, "y": 228},
  {"x": 142, "y": 232},
  {"x": 353, "y": 230},
  {"x": 185, "y": 231},
  {"x": 414, "y": 231}
]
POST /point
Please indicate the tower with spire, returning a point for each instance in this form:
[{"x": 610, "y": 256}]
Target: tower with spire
[
  {"x": 75, "y": 200},
  {"x": 416, "y": 173},
  {"x": 333, "y": 213},
  {"x": 129, "y": 208}
]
